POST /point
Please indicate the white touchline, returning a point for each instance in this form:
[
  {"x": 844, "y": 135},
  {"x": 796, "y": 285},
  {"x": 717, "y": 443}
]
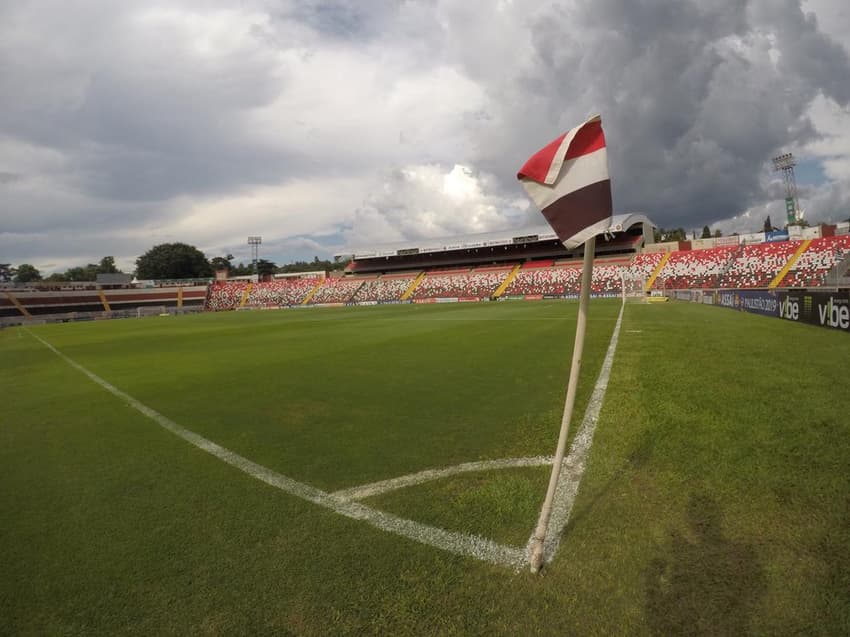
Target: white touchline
[
  {"x": 574, "y": 464},
  {"x": 451, "y": 541}
]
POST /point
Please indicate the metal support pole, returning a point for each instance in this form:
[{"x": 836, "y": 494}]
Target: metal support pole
[{"x": 536, "y": 557}]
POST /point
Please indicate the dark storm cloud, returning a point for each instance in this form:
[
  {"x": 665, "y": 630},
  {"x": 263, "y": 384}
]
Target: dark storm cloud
[
  {"x": 810, "y": 58},
  {"x": 149, "y": 124},
  {"x": 696, "y": 96}
]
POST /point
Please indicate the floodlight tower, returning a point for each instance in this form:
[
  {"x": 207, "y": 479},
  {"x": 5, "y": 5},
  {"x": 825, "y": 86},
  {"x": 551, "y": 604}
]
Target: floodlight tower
[
  {"x": 255, "y": 242},
  {"x": 785, "y": 163}
]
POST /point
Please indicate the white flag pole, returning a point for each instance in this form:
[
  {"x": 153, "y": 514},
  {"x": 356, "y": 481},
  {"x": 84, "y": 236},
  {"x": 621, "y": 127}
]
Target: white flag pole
[{"x": 539, "y": 537}]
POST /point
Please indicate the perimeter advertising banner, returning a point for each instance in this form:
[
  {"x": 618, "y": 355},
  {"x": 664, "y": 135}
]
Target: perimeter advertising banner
[
  {"x": 826, "y": 309},
  {"x": 776, "y": 235},
  {"x": 761, "y": 302}
]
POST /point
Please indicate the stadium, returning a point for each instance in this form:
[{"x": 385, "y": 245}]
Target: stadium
[
  {"x": 530, "y": 265},
  {"x": 369, "y": 455},
  {"x": 481, "y": 368}
]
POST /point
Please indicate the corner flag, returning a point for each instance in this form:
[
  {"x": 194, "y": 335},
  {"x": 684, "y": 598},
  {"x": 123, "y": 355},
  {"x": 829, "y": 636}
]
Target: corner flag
[{"x": 568, "y": 180}]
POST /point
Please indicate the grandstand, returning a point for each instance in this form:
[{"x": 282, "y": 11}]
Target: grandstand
[
  {"x": 479, "y": 283},
  {"x": 823, "y": 256},
  {"x": 696, "y": 268},
  {"x": 544, "y": 278},
  {"x": 755, "y": 266},
  {"x": 493, "y": 266},
  {"x": 51, "y": 302},
  {"x": 387, "y": 288}
]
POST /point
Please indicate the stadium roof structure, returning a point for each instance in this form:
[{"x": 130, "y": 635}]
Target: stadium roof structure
[{"x": 530, "y": 234}]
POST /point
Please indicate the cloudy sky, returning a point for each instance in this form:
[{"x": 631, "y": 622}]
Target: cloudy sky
[{"x": 322, "y": 125}]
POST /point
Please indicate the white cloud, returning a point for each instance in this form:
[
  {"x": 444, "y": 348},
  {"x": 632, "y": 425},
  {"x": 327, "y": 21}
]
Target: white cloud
[
  {"x": 314, "y": 123},
  {"x": 299, "y": 207},
  {"x": 431, "y": 200},
  {"x": 833, "y": 148}
]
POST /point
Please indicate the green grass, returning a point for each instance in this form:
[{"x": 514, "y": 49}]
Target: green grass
[{"x": 716, "y": 501}]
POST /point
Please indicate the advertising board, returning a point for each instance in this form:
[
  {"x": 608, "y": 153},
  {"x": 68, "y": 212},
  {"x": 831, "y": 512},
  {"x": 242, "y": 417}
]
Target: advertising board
[
  {"x": 752, "y": 301},
  {"x": 726, "y": 241},
  {"x": 776, "y": 235},
  {"x": 825, "y": 309}
]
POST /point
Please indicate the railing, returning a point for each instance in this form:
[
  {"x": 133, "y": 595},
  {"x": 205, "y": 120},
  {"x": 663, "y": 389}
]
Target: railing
[{"x": 68, "y": 317}]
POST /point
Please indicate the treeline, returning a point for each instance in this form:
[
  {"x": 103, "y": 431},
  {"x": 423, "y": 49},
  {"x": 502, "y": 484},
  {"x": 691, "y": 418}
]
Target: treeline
[
  {"x": 27, "y": 273},
  {"x": 680, "y": 234},
  {"x": 265, "y": 267},
  {"x": 163, "y": 261}
]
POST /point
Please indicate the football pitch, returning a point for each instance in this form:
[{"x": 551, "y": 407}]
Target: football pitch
[{"x": 200, "y": 474}]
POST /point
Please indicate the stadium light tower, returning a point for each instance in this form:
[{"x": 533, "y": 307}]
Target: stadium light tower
[
  {"x": 785, "y": 163},
  {"x": 255, "y": 242}
]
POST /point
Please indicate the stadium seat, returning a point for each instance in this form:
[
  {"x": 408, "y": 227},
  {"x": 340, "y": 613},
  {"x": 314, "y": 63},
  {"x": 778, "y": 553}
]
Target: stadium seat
[
  {"x": 555, "y": 280},
  {"x": 756, "y": 265},
  {"x": 688, "y": 269},
  {"x": 282, "y": 292},
  {"x": 225, "y": 295},
  {"x": 337, "y": 290},
  {"x": 461, "y": 284},
  {"x": 645, "y": 264},
  {"x": 813, "y": 266},
  {"x": 388, "y": 288}
]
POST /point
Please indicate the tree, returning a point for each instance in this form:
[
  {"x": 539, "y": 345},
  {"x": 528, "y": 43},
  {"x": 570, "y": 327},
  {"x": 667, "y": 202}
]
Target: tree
[
  {"x": 768, "y": 227},
  {"x": 173, "y": 261},
  {"x": 242, "y": 269},
  {"x": 706, "y": 232},
  {"x": 90, "y": 271},
  {"x": 265, "y": 268},
  {"x": 717, "y": 234},
  {"x": 57, "y": 277},
  {"x": 107, "y": 266},
  {"x": 222, "y": 263},
  {"x": 82, "y": 273},
  {"x": 7, "y": 272},
  {"x": 312, "y": 266},
  {"x": 673, "y": 234},
  {"x": 27, "y": 273}
]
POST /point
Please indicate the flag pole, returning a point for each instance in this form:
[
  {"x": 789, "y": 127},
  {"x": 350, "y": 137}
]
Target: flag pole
[{"x": 539, "y": 537}]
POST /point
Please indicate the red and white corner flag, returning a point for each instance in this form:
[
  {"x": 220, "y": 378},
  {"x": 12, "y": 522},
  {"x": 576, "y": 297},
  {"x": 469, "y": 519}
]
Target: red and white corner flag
[{"x": 568, "y": 180}]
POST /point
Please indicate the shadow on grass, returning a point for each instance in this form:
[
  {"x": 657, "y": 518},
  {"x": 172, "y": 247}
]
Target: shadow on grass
[
  {"x": 703, "y": 584},
  {"x": 636, "y": 460}
]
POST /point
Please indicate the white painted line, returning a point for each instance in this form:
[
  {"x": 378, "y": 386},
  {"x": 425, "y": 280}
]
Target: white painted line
[
  {"x": 451, "y": 541},
  {"x": 470, "y": 319},
  {"x": 576, "y": 461},
  {"x": 376, "y": 488}
]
